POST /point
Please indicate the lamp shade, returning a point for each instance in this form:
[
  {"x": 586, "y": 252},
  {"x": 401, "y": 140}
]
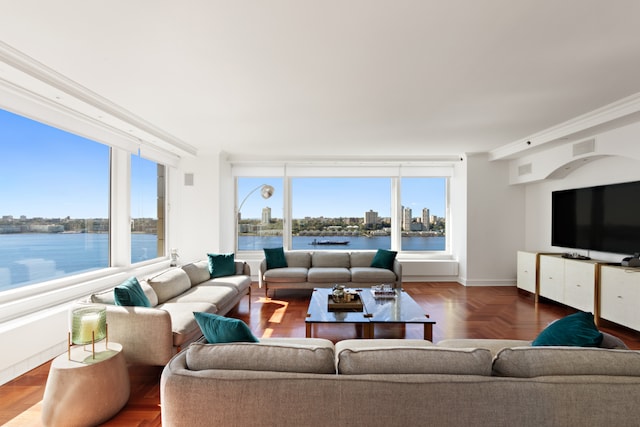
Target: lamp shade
[
  {"x": 88, "y": 323},
  {"x": 266, "y": 191}
]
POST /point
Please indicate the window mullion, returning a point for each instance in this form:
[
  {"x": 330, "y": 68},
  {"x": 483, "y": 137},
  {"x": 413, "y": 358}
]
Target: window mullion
[{"x": 120, "y": 208}]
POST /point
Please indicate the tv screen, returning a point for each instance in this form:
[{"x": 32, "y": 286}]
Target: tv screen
[{"x": 604, "y": 218}]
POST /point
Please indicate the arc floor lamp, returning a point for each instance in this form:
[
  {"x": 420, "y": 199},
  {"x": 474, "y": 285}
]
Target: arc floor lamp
[{"x": 266, "y": 191}]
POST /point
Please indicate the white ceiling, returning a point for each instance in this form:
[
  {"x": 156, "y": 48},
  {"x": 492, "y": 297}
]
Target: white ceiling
[{"x": 340, "y": 77}]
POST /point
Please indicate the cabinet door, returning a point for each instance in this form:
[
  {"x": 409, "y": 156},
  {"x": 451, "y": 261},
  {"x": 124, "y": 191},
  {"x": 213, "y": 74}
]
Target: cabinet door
[
  {"x": 527, "y": 271},
  {"x": 620, "y": 295},
  {"x": 580, "y": 285},
  {"x": 552, "y": 277}
]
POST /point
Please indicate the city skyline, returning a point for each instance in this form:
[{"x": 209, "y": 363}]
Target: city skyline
[{"x": 343, "y": 197}]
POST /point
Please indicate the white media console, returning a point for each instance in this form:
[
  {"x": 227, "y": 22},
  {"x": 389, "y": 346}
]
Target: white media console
[{"x": 610, "y": 292}]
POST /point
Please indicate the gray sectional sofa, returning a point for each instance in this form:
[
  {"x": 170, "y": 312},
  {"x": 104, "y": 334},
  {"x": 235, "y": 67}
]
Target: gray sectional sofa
[
  {"x": 312, "y": 382},
  {"x": 152, "y": 335},
  {"x": 316, "y": 269}
]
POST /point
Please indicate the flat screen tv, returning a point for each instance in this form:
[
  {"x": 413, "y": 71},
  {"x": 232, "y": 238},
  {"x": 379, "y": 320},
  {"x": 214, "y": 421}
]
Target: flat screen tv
[{"x": 605, "y": 218}]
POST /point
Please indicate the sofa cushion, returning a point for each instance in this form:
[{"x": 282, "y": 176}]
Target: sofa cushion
[
  {"x": 207, "y": 292},
  {"x": 219, "y": 329},
  {"x": 108, "y": 297},
  {"x": 330, "y": 259},
  {"x": 169, "y": 283},
  {"x": 361, "y": 258},
  {"x": 239, "y": 283},
  {"x": 130, "y": 293},
  {"x": 221, "y": 265},
  {"x": 275, "y": 258},
  {"x": 183, "y": 324},
  {"x": 313, "y": 358},
  {"x": 286, "y": 275},
  {"x": 240, "y": 265},
  {"x": 577, "y": 329},
  {"x": 378, "y": 358},
  {"x": 298, "y": 259},
  {"x": 328, "y": 275},
  {"x": 493, "y": 345},
  {"x": 529, "y": 362},
  {"x": 198, "y": 271},
  {"x": 372, "y": 275},
  {"x": 611, "y": 341},
  {"x": 384, "y": 259},
  {"x": 105, "y": 297}
]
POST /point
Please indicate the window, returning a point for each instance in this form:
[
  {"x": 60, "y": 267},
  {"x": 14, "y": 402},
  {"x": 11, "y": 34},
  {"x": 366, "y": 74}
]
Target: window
[
  {"x": 259, "y": 221},
  {"x": 346, "y": 207},
  {"x": 423, "y": 213},
  {"x": 56, "y": 199},
  {"x": 147, "y": 209},
  {"x": 54, "y": 218},
  {"x": 341, "y": 213}
]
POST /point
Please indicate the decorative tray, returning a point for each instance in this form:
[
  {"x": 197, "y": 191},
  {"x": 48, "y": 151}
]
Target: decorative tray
[{"x": 354, "y": 305}]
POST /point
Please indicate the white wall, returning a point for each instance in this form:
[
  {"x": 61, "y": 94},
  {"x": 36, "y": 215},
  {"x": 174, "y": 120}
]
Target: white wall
[
  {"x": 196, "y": 209},
  {"x": 494, "y": 223}
]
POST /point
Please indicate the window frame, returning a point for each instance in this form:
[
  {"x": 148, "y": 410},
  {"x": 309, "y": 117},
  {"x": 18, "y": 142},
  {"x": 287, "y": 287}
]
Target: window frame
[{"x": 393, "y": 170}]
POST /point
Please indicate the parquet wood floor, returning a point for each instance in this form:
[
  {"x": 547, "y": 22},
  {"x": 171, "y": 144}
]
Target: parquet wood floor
[{"x": 460, "y": 312}]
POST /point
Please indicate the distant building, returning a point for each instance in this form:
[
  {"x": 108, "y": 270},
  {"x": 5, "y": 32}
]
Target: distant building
[
  {"x": 371, "y": 218},
  {"x": 266, "y": 215},
  {"x": 406, "y": 219},
  {"x": 426, "y": 220}
]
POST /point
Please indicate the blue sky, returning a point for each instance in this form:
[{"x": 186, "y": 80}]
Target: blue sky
[
  {"x": 46, "y": 172},
  {"x": 343, "y": 197}
]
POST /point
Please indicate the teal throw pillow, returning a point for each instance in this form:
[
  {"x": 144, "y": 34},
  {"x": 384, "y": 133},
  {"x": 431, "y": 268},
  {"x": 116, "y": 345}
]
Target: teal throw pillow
[
  {"x": 275, "y": 258},
  {"x": 221, "y": 265},
  {"x": 384, "y": 259},
  {"x": 219, "y": 329},
  {"x": 130, "y": 293},
  {"x": 576, "y": 330}
]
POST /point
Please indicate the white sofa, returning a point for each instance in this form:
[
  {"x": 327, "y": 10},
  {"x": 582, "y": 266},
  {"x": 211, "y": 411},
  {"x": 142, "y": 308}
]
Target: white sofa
[
  {"x": 152, "y": 335},
  {"x": 316, "y": 269}
]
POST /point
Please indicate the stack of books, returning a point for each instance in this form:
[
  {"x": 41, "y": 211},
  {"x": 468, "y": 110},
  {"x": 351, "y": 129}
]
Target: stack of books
[{"x": 383, "y": 291}]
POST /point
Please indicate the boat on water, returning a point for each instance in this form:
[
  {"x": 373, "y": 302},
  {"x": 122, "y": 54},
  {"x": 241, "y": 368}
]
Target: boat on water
[{"x": 329, "y": 242}]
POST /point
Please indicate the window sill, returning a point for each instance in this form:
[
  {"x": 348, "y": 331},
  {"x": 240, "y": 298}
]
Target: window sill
[{"x": 15, "y": 303}]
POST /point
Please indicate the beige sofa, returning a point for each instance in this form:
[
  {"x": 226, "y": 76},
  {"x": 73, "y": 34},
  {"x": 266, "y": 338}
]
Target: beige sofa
[
  {"x": 152, "y": 335},
  {"x": 312, "y": 382},
  {"x": 316, "y": 269}
]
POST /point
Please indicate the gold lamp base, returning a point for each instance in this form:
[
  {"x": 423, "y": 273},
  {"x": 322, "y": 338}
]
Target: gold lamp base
[{"x": 93, "y": 343}]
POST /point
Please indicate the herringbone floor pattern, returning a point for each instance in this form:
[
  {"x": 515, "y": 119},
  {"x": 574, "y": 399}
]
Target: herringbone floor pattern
[{"x": 459, "y": 312}]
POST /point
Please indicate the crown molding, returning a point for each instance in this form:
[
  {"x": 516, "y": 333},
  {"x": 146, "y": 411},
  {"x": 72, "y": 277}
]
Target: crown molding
[
  {"x": 613, "y": 114},
  {"x": 37, "y": 78}
]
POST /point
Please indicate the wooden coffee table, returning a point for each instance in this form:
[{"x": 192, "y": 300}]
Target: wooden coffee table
[{"x": 401, "y": 309}]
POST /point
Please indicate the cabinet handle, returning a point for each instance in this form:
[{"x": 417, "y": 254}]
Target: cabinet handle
[
  {"x": 620, "y": 296},
  {"x": 579, "y": 285}
]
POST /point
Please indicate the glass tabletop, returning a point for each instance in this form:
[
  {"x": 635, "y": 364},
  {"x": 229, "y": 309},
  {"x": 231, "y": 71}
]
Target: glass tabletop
[
  {"x": 401, "y": 309},
  {"x": 318, "y": 310}
]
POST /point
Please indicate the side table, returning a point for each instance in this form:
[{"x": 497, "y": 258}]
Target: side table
[{"x": 84, "y": 391}]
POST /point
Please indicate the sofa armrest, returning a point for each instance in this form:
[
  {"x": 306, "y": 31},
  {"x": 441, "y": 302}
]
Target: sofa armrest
[
  {"x": 261, "y": 270},
  {"x": 397, "y": 269},
  {"x": 145, "y": 334}
]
